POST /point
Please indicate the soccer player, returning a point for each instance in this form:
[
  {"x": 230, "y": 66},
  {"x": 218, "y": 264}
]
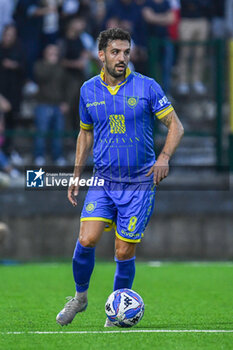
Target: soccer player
[{"x": 117, "y": 111}]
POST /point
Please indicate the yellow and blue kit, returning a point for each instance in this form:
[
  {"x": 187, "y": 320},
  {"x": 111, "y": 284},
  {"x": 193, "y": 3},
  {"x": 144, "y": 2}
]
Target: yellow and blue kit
[{"x": 122, "y": 119}]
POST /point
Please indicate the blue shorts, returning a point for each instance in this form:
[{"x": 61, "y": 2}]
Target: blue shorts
[{"x": 127, "y": 207}]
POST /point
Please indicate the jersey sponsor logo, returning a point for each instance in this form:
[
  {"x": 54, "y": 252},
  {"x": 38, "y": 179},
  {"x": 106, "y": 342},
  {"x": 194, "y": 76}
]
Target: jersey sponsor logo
[
  {"x": 120, "y": 141},
  {"x": 95, "y": 104},
  {"x": 163, "y": 101},
  {"x": 90, "y": 207},
  {"x": 132, "y": 101},
  {"x": 130, "y": 234},
  {"x": 117, "y": 123}
]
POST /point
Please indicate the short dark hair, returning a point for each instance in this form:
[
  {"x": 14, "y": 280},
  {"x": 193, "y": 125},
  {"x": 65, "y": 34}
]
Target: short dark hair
[{"x": 111, "y": 34}]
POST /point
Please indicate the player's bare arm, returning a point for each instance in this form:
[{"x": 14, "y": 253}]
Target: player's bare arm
[
  {"x": 174, "y": 136},
  {"x": 83, "y": 149}
]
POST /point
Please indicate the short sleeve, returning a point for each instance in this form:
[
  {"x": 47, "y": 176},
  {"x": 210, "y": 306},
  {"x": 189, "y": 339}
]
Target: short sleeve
[
  {"x": 85, "y": 118},
  {"x": 160, "y": 105}
]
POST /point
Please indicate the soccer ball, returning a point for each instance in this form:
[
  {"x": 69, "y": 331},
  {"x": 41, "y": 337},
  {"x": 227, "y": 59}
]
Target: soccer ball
[{"x": 124, "y": 308}]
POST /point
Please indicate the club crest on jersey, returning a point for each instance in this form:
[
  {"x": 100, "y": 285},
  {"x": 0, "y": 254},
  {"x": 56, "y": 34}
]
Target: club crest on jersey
[
  {"x": 90, "y": 207},
  {"x": 132, "y": 101}
]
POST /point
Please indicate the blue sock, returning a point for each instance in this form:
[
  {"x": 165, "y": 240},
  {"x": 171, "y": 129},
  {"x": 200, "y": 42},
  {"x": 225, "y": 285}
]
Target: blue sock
[
  {"x": 125, "y": 272},
  {"x": 83, "y": 265}
]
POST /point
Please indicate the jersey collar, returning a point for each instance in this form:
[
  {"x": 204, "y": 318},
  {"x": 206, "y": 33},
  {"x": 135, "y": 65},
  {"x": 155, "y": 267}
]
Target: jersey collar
[{"x": 113, "y": 91}]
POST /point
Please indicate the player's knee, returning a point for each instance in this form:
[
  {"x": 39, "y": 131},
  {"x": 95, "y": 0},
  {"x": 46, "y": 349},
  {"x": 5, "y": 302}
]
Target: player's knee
[
  {"x": 87, "y": 241},
  {"x": 125, "y": 252}
]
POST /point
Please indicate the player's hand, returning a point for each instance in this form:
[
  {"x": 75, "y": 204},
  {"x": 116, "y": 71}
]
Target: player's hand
[
  {"x": 64, "y": 107},
  {"x": 10, "y": 64},
  {"x": 72, "y": 193},
  {"x": 5, "y": 105},
  {"x": 160, "y": 170},
  {"x": 148, "y": 14}
]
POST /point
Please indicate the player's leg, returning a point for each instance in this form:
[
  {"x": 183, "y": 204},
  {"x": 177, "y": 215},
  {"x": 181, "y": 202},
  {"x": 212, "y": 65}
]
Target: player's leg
[
  {"x": 83, "y": 265},
  {"x": 125, "y": 264},
  {"x": 84, "y": 254},
  {"x": 97, "y": 213},
  {"x": 135, "y": 206},
  {"x": 125, "y": 267}
]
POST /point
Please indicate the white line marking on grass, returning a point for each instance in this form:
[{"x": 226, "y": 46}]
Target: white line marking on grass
[
  {"x": 154, "y": 263},
  {"x": 191, "y": 264},
  {"x": 127, "y": 331}
]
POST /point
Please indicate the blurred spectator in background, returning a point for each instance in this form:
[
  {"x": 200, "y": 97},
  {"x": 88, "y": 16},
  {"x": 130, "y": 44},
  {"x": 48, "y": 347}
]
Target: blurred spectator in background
[
  {"x": 89, "y": 44},
  {"x": 218, "y": 18},
  {"x": 6, "y": 13},
  {"x": 4, "y": 108},
  {"x": 29, "y": 19},
  {"x": 139, "y": 49},
  {"x": 98, "y": 11},
  {"x": 194, "y": 26},
  {"x": 73, "y": 8},
  {"x": 85, "y": 9},
  {"x": 70, "y": 7},
  {"x": 75, "y": 60},
  {"x": 86, "y": 38},
  {"x": 127, "y": 12},
  {"x": 229, "y": 17},
  {"x": 51, "y": 105},
  {"x": 158, "y": 15},
  {"x": 4, "y": 231},
  {"x": 11, "y": 82},
  {"x": 141, "y": 26},
  {"x": 50, "y": 25},
  {"x": 173, "y": 28},
  {"x": 69, "y": 10},
  {"x": 5, "y": 164}
]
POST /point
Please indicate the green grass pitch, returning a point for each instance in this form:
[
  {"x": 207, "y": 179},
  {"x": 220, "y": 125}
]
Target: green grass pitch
[{"x": 177, "y": 296}]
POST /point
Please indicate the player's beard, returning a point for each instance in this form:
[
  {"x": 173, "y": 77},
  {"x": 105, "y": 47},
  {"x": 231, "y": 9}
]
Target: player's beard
[{"x": 113, "y": 72}]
